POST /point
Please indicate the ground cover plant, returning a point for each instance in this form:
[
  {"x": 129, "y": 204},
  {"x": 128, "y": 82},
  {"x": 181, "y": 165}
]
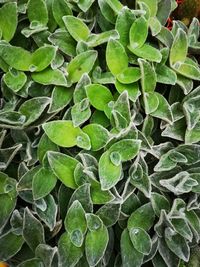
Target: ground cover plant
[{"x": 100, "y": 132}]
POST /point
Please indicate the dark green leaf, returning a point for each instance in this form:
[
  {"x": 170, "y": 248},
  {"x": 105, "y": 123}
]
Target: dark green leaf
[
  {"x": 10, "y": 244},
  {"x": 43, "y": 183},
  {"x": 33, "y": 231},
  {"x": 95, "y": 244},
  {"x": 130, "y": 256},
  {"x": 138, "y": 217},
  {"x": 75, "y": 223},
  {"x": 69, "y": 255}
]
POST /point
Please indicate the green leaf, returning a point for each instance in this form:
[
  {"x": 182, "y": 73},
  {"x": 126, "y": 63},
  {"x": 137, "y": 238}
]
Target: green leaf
[
  {"x": 130, "y": 204},
  {"x": 159, "y": 202},
  {"x": 82, "y": 63},
  {"x": 165, "y": 36},
  {"x": 93, "y": 222},
  {"x": 127, "y": 148},
  {"x": 148, "y": 76},
  {"x": 42, "y": 57},
  {"x": 98, "y": 39},
  {"x": 181, "y": 226},
  {"x": 138, "y": 217},
  {"x": 10, "y": 244},
  {"x": 130, "y": 256},
  {"x": 151, "y": 102},
  {"x": 116, "y": 57},
  {"x": 165, "y": 163},
  {"x": 124, "y": 21},
  {"x": 152, "y": 5},
  {"x": 50, "y": 77},
  {"x": 43, "y": 183},
  {"x": 109, "y": 174},
  {"x": 99, "y": 96},
  {"x": 63, "y": 167},
  {"x": 99, "y": 136},
  {"x": 129, "y": 75},
  {"x": 179, "y": 184},
  {"x": 191, "y": 110},
  {"x": 69, "y": 255},
  {"x": 45, "y": 145},
  {"x": 194, "y": 221},
  {"x": 62, "y": 133},
  {"x": 37, "y": 12},
  {"x": 98, "y": 195},
  {"x": 120, "y": 111},
  {"x": 61, "y": 97},
  {"x": 188, "y": 70},
  {"x": 33, "y": 231},
  {"x": 132, "y": 89},
  {"x": 109, "y": 213},
  {"x": 10, "y": 53},
  {"x": 115, "y": 5},
  {"x": 84, "y": 5},
  {"x": 49, "y": 213},
  {"x": 8, "y": 21},
  {"x": 96, "y": 242},
  {"x": 37, "y": 61},
  {"x": 75, "y": 223},
  {"x": 179, "y": 48},
  {"x": 107, "y": 12},
  {"x": 138, "y": 33},
  {"x": 140, "y": 180},
  {"x": 141, "y": 240},
  {"x": 164, "y": 10},
  {"x": 15, "y": 80},
  {"x": 167, "y": 255},
  {"x": 83, "y": 141},
  {"x": 147, "y": 52},
  {"x": 163, "y": 110},
  {"x": 7, "y": 205},
  {"x": 46, "y": 253},
  {"x": 82, "y": 193},
  {"x": 177, "y": 244},
  {"x": 64, "y": 41},
  {"x": 60, "y": 8},
  {"x": 99, "y": 117},
  {"x": 81, "y": 112},
  {"x": 33, "y": 108},
  {"x": 80, "y": 92},
  {"x": 155, "y": 25},
  {"x": 166, "y": 75},
  {"x": 77, "y": 28}
]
